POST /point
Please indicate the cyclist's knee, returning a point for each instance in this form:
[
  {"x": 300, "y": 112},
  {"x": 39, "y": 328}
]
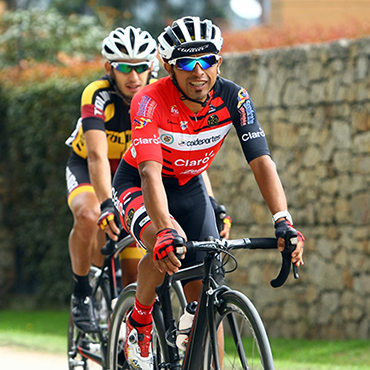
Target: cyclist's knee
[{"x": 86, "y": 216}]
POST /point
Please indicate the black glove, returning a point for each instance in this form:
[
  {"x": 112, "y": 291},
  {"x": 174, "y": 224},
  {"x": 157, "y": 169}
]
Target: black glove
[
  {"x": 107, "y": 213},
  {"x": 282, "y": 228},
  {"x": 221, "y": 216}
]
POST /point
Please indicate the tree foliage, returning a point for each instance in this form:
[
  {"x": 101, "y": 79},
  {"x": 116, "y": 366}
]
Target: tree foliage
[
  {"x": 43, "y": 35},
  {"x": 37, "y": 119}
]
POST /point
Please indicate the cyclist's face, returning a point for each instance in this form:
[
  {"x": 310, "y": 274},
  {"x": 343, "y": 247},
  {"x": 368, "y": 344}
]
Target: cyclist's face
[
  {"x": 196, "y": 83},
  {"x": 129, "y": 83}
]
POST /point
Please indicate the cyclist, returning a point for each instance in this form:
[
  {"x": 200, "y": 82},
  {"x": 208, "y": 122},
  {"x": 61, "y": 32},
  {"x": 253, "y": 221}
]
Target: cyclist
[
  {"x": 102, "y": 135},
  {"x": 131, "y": 64},
  {"x": 179, "y": 124}
]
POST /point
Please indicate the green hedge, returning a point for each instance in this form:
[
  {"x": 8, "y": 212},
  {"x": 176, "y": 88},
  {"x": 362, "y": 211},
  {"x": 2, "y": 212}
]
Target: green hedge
[{"x": 36, "y": 120}]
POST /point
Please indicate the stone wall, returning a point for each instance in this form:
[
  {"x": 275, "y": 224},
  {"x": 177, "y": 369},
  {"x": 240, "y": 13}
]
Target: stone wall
[{"x": 314, "y": 105}]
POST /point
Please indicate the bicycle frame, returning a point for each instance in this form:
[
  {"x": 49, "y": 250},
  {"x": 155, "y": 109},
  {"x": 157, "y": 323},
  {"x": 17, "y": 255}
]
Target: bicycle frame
[
  {"x": 204, "y": 317},
  {"x": 211, "y": 297}
]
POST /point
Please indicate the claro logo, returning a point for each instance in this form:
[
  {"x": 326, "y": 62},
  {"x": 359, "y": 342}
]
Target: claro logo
[
  {"x": 253, "y": 135},
  {"x": 145, "y": 141},
  {"x": 194, "y": 162}
]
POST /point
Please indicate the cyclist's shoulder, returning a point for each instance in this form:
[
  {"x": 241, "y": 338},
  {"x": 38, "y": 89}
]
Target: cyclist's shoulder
[
  {"x": 97, "y": 86},
  {"x": 157, "y": 90},
  {"x": 227, "y": 87},
  {"x": 231, "y": 92}
]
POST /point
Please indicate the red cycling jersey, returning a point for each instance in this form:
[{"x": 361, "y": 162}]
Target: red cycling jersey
[{"x": 185, "y": 143}]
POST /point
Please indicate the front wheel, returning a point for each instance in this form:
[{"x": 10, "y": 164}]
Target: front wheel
[{"x": 242, "y": 340}]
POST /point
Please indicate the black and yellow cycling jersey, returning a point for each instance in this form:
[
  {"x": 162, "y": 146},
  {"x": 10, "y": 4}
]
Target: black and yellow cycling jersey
[{"x": 103, "y": 109}]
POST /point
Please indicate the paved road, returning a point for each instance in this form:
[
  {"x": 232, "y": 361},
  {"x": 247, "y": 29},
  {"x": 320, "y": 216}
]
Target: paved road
[{"x": 15, "y": 359}]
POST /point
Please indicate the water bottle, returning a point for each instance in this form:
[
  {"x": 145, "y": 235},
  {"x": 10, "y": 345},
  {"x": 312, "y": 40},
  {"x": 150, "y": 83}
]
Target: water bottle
[{"x": 185, "y": 323}]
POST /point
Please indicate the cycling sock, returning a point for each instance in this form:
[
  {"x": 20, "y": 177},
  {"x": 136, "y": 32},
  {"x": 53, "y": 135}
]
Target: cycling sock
[
  {"x": 141, "y": 315},
  {"x": 82, "y": 286}
]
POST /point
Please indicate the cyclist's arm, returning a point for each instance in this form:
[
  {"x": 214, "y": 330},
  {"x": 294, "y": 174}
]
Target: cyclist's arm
[
  {"x": 155, "y": 197},
  {"x": 225, "y": 233},
  {"x": 264, "y": 170},
  {"x": 99, "y": 169},
  {"x": 208, "y": 184},
  {"x": 156, "y": 205}
]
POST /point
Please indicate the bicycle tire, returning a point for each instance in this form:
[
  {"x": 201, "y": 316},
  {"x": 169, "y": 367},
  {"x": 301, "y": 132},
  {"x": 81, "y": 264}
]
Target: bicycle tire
[
  {"x": 115, "y": 357},
  {"x": 241, "y": 323},
  {"x": 79, "y": 343}
]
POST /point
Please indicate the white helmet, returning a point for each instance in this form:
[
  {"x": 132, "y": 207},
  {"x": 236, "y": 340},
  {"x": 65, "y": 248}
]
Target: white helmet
[
  {"x": 129, "y": 43},
  {"x": 189, "y": 36}
]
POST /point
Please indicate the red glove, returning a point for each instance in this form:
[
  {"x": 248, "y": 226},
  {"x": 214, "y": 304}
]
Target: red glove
[
  {"x": 284, "y": 225},
  {"x": 164, "y": 244}
]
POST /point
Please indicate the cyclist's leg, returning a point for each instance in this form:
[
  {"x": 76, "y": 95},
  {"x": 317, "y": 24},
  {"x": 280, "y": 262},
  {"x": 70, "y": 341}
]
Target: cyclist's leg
[
  {"x": 83, "y": 242},
  {"x": 129, "y": 259},
  {"x": 191, "y": 207}
]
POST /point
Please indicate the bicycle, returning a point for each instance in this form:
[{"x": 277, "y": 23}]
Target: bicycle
[
  {"x": 89, "y": 350},
  {"x": 246, "y": 344}
]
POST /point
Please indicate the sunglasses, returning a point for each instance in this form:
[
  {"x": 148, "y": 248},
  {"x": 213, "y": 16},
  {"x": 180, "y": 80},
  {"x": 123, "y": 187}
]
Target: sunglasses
[
  {"x": 128, "y": 67},
  {"x": 189, "y": 63}
]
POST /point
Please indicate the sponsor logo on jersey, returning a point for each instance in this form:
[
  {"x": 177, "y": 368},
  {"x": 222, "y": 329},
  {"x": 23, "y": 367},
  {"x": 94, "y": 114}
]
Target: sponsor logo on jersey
[
  {"x": 167, "y": 139},
  {"x": 175, "y": 110},
  {"x": 140, "y": 122},
  {"x": 250, "y": 112},
  {"x": 144, "y": 221},
  {"x": 146, "y": 106},
  {"x": 72, "y": 182},
  {"x": 243, "y": 96},
  {"x": 133, "y": 151},
  {"x": 243, "y": 116},
  {"x": 146, "y": 140},
  {"x": 117, "y": 202},
  {"x": 195, "y": 162},
  {"x": 204, "y": 140},
  {"x": 197, "y": 141},
  {"x": 212, "y": 109},
  {"x": 194, "y": 172},
  {"x": 100, "y": 101},
  {"x": 253, "y": 135},
  {"x": 213, "y": 120},
  {"x": 129, "y": 216}
]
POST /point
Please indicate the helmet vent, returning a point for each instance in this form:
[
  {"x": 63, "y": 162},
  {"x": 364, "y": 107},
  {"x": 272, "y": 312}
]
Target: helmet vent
[{"x": 122, "y": 48}]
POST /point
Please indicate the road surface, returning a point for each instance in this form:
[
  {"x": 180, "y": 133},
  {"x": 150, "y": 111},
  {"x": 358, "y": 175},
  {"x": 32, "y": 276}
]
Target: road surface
[{"x": 13, "y": 358}]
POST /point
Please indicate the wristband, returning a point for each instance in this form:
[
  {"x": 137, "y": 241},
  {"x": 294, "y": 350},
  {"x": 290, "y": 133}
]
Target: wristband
[{"x": 282, "y": 214}]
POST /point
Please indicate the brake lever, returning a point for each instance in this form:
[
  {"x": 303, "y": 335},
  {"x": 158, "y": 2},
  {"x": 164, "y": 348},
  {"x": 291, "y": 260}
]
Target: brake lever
[{"x": 286, "y": 255}]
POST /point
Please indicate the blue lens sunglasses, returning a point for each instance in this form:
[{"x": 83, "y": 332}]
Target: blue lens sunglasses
[
  {"x": 189, "y": 63},
  {"x": 128, "y": 67}
]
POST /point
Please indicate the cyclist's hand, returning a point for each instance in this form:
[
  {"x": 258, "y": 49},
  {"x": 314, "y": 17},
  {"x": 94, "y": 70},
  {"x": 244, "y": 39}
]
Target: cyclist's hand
[
  {"x": 226, "y": 223},
  {"x": 280, "y": 232},
  {"x": 223, "y": 220},
  {"x": 164, "y": 251},
  {"x": 107, "y": 219}
]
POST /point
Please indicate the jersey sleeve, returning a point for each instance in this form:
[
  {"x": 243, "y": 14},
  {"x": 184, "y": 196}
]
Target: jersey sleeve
[
  {"x": 250, "y": 133},
  {"x": 144, "y": 125},
  {"x": 93, "y": 106}
]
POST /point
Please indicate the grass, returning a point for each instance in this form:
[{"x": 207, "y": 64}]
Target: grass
[{"x": 46, "y": 331}]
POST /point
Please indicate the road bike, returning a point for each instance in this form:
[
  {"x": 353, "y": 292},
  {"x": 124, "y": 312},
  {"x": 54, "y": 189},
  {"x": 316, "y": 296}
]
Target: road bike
[
  {"x": 243, "y": 343},
  {"x": 89, "y": 350}
]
